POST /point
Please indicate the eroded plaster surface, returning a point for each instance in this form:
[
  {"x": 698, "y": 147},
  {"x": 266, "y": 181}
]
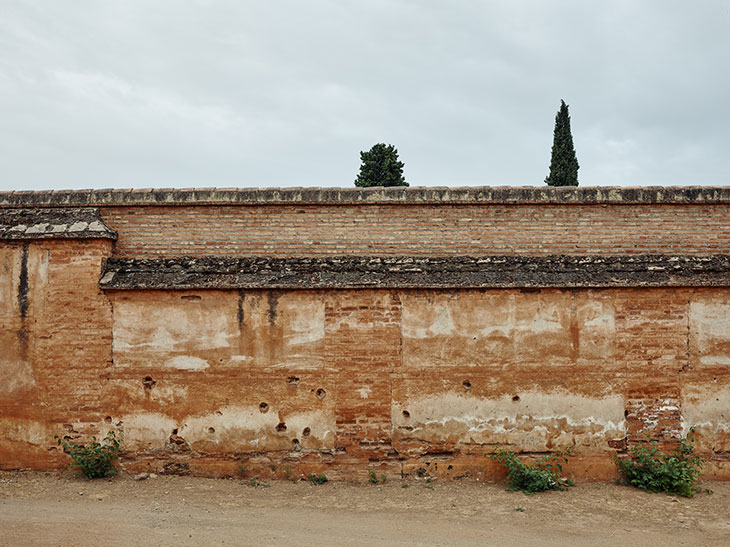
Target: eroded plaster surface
[
  {"x": 500, "y": 327},
  {"x": 710, "y": 329},
  {"x": 706, "y": 408},
  {"x": 536, "y": 422},
  {"x": 23, "y": 279}
]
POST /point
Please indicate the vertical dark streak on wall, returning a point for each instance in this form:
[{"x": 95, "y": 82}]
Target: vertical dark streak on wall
[
  {"x": 240, "y": 309},
  {"x": 23, "y": 301},
  {"x": 273, "y": 298}
]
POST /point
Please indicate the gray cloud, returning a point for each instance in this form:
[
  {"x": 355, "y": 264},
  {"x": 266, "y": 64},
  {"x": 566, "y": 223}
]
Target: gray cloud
[{"x": 230, "y": 93}]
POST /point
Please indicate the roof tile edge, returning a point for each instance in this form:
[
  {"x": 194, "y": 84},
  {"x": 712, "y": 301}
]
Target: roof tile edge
[{"x": 412, "y": 195}]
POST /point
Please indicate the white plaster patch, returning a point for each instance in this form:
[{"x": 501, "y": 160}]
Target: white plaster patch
[
  {"x": 533, "y": 422},
  {"x": 243, "y": 428},
  {"x": 715, "y": 360},
  {"x": 496, "y": 330},
  {"x": 605, "y": 321},
  {"x": 439, "y": 320},
  {"x": 542, "y": 325},
  {"x": 300, "y": 362},
  {"x": 148, "y": 331},
  {"x": 17, "y": 375},
  {"x": 187, "y": 362},
  {"x": 25, "y": 432},
  {"x": 709, "y": 409},
  {"x": 364, "y": 392},
  {"x": 711, "y": 320},
  {"x": 710, "y": 332},
  {"x": 146, "y": 430},
  {"x": 305, "y": 322}
]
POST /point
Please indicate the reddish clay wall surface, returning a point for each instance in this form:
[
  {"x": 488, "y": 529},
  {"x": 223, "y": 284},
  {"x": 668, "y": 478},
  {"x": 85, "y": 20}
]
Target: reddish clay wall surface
[{"x": 407, "y": 381}]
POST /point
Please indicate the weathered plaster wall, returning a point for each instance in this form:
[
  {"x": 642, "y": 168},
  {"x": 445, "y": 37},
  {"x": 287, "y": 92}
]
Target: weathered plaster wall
[
  {"x": 408, "y": 381},
  {"x": 55, "y": 345},
  {"x": 200, "y": 365}
]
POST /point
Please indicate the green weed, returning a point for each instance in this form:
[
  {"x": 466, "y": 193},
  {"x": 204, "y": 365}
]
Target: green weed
[
  {"x": 318, "y": 479},
  {"x": 94, "y": 460},
  {"x": 545, "y": 474},
  {"x": 652, "y": 470}
]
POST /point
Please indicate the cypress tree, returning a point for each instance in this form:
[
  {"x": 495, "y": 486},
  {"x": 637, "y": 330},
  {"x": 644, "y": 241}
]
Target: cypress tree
[
  {"x": 563, "y": 164},
  {"x": 380, "y": 167}
]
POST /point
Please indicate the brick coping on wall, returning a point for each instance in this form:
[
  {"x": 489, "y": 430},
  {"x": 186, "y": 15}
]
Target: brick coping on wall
[{"x": 348, "y": 196}]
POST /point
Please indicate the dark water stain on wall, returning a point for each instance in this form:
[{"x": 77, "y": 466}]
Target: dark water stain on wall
[{"x": 23, "y": 301}]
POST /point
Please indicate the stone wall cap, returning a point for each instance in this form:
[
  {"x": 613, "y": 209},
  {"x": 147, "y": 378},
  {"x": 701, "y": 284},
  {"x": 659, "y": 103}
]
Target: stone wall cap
[
  {"x": 347, "y": 196},
  {"x": 391, "y": 272},
  {"x": 44, "y": 223}
]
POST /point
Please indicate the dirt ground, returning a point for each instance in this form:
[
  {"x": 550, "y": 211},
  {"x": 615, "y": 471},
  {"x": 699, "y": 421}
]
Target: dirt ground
[{"x": 61, "y": 509}]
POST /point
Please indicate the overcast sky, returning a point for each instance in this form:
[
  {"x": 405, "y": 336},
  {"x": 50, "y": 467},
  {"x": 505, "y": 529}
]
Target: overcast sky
[{"x": 101, "y": 94}]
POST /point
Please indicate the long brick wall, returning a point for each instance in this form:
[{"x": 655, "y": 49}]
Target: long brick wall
[
  {"x": 211, "y": 329},
  {"x": 432, "y": 230}
]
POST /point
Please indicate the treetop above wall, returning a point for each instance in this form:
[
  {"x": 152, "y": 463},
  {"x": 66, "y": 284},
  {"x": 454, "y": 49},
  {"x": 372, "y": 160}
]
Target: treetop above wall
[{"x": 395, "y": 195}]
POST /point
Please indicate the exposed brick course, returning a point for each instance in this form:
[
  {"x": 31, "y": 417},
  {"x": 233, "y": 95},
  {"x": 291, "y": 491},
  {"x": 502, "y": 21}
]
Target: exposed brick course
[{"x": 435, "y": 230}]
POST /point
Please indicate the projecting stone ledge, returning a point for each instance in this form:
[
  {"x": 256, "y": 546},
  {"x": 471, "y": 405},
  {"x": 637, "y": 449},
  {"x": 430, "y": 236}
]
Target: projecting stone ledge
[
  {"x": 69, "y": 223},
  {"x": 350, "y": 272},
  {"x": 396, "y": 195}
]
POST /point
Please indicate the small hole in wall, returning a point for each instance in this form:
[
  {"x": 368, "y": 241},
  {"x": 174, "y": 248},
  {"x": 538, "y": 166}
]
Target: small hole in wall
[
  {"x": 295, "y": 441},
  {"x": 211, "y": 430},
  {"x": 148, "y": 384},
  {"x": 306, "y": 432},
  {"x": 108, "y": 419},
  {"x": 293, "y": 381},
  {"x": 516, "y": 399},
  {"x": 281, "y": 427},
  {"x": 174, "y": 431},
  {"x": 466, "y": 384},
  {"x": 406, "y": 414},
  {"x": 263, "y": 408},
  {"x": 321, "y": 394},
  {"x": 626, "y": 413}
]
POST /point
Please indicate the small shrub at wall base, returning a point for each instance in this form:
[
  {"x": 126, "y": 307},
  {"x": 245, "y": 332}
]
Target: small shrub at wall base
[
  {"x": 373, "y": 478},
  {"x": 544, "y": 474},
  {"x": 94, "y": 460},
  {"x": 318, "y": 479},
  {"x": 652, "y": 470}
]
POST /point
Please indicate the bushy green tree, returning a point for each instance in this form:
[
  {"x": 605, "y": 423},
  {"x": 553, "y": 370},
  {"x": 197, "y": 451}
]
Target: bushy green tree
[
  {"x": 380, "y": 167},
  {"x": 563, "y": 163}
]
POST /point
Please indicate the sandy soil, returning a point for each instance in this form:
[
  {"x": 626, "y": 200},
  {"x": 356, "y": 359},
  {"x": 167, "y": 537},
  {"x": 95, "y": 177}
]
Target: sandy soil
[{"x": 61, "y": 509}]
